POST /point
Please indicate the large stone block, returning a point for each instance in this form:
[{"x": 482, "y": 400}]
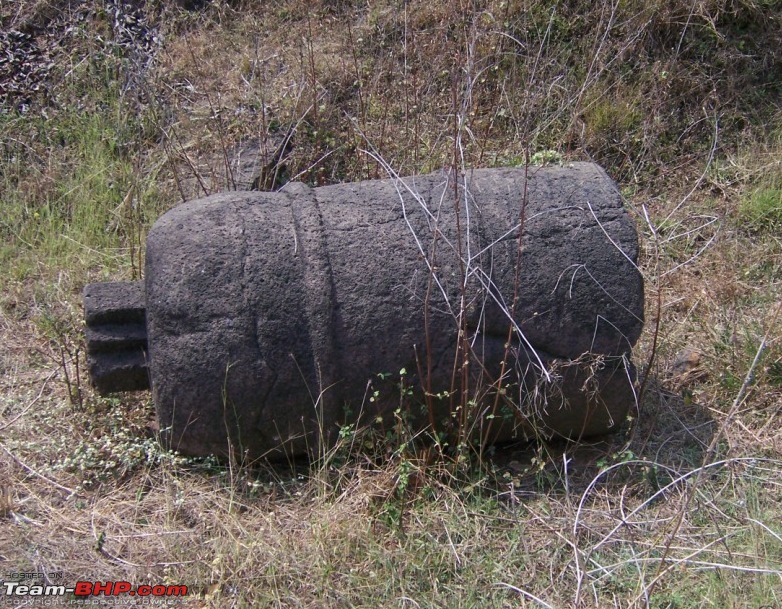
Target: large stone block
[{"x": 267, "y": 314}]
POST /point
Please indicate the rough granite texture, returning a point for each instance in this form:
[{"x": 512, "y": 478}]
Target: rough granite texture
[{"x": 269, "y": 313}]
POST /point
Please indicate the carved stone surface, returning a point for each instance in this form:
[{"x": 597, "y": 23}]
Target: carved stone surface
[
  {"x": 116, "y": 336},
  {"x": 268, "y": 314}
]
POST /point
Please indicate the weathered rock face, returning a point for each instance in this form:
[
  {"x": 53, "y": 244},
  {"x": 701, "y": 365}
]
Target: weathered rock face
[{"x": 267, "y": 314}]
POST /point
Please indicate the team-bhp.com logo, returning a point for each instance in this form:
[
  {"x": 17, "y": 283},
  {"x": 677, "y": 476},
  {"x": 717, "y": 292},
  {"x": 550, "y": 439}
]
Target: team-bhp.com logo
[{"x": 84, "y": 589}]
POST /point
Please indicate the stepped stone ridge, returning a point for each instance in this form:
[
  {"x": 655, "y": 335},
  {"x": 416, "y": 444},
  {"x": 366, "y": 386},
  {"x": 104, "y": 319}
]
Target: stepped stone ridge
[
  {"x": 116, "y": 336},
  {"x": 267, "y": 316}
]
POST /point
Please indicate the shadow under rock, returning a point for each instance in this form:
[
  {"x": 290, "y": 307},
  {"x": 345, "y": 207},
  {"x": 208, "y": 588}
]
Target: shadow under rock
[{"x": 669, "y": 437}]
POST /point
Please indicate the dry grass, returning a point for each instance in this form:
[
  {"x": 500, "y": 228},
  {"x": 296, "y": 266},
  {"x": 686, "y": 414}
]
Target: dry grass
[{"x": 681, "y": 509}]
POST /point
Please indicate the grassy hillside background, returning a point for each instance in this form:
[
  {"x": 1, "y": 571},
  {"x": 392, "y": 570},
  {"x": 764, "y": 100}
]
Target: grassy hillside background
[{"x": 111, "y": 114}]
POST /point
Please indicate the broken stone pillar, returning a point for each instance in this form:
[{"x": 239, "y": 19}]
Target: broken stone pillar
[{"x": 269, "y": 316}]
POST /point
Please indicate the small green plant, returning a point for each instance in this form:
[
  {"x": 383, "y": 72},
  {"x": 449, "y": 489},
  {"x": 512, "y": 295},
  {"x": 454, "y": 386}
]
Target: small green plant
[
  {"x": 623, "y": 456},
  {"x": 546, "y": 157},
  {"x": 118, "y": 449}
]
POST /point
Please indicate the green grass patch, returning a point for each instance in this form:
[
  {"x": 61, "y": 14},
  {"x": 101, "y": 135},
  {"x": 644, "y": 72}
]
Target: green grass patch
[
  {"x": 74, "y": 191},
  {"x": 761, "y": 210}
]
